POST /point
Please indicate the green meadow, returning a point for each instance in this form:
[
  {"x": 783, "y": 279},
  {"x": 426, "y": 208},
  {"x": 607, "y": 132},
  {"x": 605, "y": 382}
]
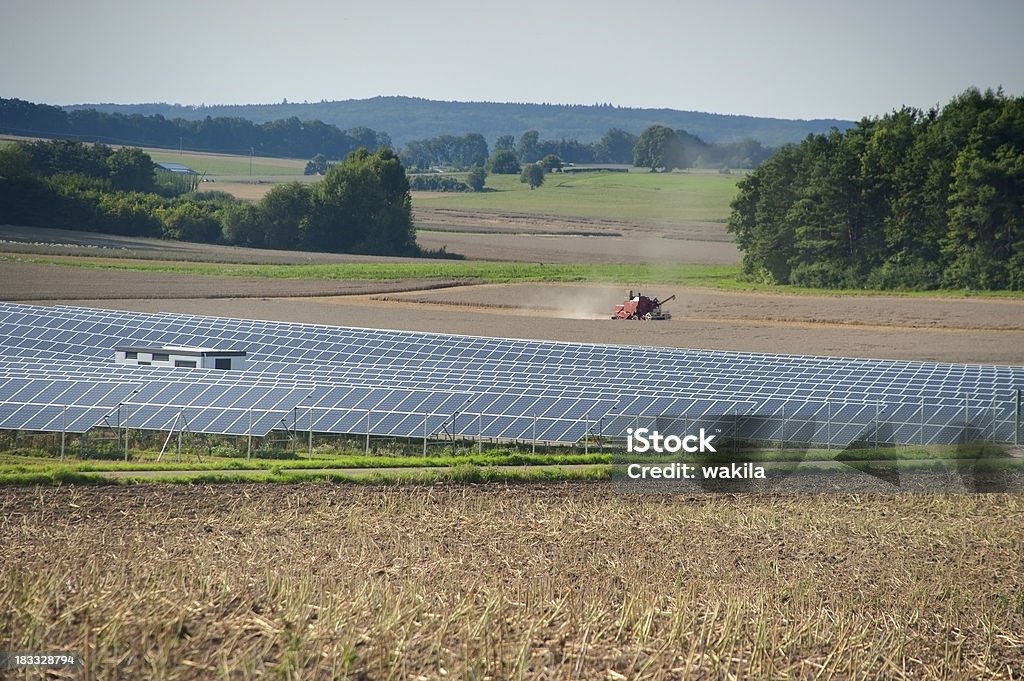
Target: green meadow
[
  {"x": 638, "y": 194},
  {"x": 214, "y": 165}
]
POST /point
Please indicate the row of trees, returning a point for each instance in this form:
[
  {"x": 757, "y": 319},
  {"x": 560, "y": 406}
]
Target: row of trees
[
  {"x": 657, "y": 147},
  {"x": 288, "y": 137},
  {"x": 915, "y": 199},
  {"x": 362, "y": 205}
]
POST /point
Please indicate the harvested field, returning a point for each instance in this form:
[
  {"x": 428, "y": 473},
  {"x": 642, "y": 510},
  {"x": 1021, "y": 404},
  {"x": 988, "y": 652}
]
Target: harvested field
[
  {"x": 540, "y": 582},
  {"x": 559, "y": 248},
  {"x": 36, "y": 240},
  {"x": 27, "y": 281}
]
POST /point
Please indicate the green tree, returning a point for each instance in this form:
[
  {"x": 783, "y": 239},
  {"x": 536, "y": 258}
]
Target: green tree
[
  {"x": 985, "y": 243},
  {"x": 758, "y": 217},
  {"x": 131, "y": 169},
  {"x": 658, "y": 147},
  {"x": 316, "y": 166},
  {"x": 283, "y": 215},
  {"x": 550, "y": 162},
  {"x": 363, "y": 206},
  {"x": 616, "y": 147},
  {"x": 190, "y": 221},
  {"x": 504, "y": 163},
  {"x": 528, "y": 149},
  {"x": 242, "y": 225},
  {"x": 505, "y": 143},
  {"x": 533, "y": 175},
  {"x": 477, "y": 178}
]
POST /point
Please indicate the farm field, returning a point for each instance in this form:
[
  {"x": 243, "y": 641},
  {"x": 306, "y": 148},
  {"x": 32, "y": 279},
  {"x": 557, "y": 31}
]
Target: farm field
[
  {"x": 214, "y": 165},
  {"x": 637, "y": 195},
  {"x": 449, "y": 578},
  {"x": 553, "y": 581}
]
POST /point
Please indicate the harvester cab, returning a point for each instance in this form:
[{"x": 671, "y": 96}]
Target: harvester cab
[{"x": 640, "y": 306}]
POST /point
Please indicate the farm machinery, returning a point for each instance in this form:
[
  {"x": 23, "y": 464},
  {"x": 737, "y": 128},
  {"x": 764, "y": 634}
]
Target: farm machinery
[{"x": 640, "y": 306}]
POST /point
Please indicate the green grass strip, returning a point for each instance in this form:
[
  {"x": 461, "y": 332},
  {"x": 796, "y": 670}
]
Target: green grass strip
[
  {"x": 467, "y": 474},
  {"x": 50, "y": 466}
]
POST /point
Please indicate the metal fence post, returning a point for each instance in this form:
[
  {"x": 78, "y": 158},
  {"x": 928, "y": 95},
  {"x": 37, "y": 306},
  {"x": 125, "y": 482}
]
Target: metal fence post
[
  {"x": 967, "y": 420},
  {"x": 994, "y": 429},
  {"x": 782, "y": 438},
  {"x": 63, "y": 429},
  {"x": 878, "y": 406},
  {"x": 828, "y": 425},
  {"x": 922, "y": 421},
  {"x": 1016, "y": 420},
  {"x": 126, "y": 414}
]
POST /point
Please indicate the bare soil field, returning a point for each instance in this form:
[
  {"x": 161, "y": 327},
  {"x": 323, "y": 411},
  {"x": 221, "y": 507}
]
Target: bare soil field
[
  {"x": 560, "y": 239},
  {"x": 38, "y": 240},
  {"x": 540, "y": 582},
  {"x": 38, "y": 283},
  {"x": 562, "y": 248}
]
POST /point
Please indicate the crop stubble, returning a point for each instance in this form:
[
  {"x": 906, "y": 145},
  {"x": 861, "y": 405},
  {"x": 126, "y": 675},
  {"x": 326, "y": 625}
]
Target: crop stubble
[{"x": 557, "y": 581}]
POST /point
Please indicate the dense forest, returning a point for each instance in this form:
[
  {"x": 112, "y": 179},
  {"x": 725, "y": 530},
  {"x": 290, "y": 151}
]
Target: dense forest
[
  {"x": 914, "y": 199},
  {"x": 288, "y": 137},
  {"x": 362, "y": 205},
  {"x": 410, "y": 118}
]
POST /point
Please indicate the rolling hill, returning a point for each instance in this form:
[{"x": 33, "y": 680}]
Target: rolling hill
[{"x": 409, "y": 118}]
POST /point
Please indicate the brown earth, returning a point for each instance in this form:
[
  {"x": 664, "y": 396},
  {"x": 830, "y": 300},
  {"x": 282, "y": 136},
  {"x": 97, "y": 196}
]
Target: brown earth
[
  {"x": 37, "y": 240},
  {"x": 561, "y": 239},
  {"x": 567, "y": 581},
  {"x": 26, "y": 282},
  {"x": 562, "y": 248}
]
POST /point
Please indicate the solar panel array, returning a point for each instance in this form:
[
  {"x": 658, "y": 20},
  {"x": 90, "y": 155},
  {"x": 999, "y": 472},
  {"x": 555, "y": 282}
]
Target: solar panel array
[{"x": 353, "y": 380}]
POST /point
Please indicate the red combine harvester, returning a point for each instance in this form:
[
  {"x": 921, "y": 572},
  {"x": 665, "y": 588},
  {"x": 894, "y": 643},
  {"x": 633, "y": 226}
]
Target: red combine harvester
[{"x": 640, "y": 306}]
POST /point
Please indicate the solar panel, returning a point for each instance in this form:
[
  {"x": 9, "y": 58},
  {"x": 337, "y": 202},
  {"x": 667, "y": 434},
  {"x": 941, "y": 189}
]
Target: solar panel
[{"x": 339, "y": 378}]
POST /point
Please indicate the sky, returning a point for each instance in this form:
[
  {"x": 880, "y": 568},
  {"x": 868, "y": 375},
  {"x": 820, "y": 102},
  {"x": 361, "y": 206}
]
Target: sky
[{"x": 783, "y": 58}]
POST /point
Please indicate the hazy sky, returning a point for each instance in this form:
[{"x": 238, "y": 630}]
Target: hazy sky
[{"x": 784, "y": 58}]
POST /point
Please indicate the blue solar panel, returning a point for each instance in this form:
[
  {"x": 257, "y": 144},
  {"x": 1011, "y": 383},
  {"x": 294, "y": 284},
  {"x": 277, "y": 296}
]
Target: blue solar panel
[{"x": 340, "y": 371}]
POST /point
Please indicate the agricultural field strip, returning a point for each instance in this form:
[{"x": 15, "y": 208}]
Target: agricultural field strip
[{"x": 439, "y": 361}]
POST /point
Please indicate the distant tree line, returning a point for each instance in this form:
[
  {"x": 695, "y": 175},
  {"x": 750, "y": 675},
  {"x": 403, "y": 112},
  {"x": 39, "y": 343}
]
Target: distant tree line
[
  {"x": 410, "y": 118},
  {"x": 658, "y": 147},
  {"x": 325, "y": 143},
  {"x": 362, "y": 205},
  {"x": 288, "y": 137},
  {"x": 914, "y": 199}
]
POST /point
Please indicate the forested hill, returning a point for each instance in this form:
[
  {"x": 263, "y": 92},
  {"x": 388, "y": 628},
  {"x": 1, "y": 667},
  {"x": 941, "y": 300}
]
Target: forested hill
[{"x": 407, "y": 118}]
